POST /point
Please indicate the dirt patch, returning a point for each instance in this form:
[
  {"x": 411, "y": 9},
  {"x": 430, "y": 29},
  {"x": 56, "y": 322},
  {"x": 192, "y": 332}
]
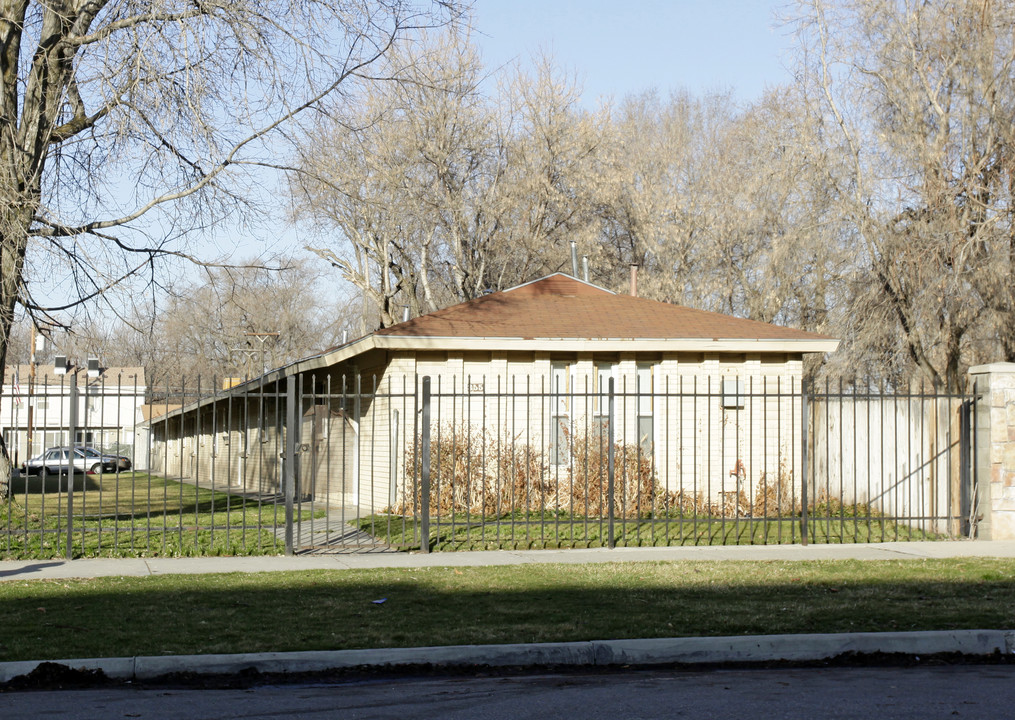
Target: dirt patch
[{"x": 56, "y": 676}]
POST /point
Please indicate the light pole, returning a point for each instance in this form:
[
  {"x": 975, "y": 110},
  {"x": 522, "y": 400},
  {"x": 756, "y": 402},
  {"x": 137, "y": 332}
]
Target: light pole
[
  {"x": 263, "y": 337},
  {"x": 249, "y": 353}
]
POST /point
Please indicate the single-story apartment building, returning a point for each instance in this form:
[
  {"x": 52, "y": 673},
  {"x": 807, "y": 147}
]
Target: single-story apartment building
[{"x": 706, "y": 405}]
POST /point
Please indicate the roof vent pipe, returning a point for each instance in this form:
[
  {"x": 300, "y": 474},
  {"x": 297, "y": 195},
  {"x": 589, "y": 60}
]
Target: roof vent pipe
[
  {"x": 574, "y": 259},
  {"x": 405, "y": 313},
  {"x": 345, "y": 337},
  {"x": 634, "y": 280},
  {"x": 585, "y": 268}
]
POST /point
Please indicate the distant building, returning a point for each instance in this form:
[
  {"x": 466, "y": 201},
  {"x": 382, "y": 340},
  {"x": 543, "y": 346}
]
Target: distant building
[{"x": 35, "y": 416}]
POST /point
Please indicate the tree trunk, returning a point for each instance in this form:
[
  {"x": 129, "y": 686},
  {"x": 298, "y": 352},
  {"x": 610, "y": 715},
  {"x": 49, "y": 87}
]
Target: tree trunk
[{"x": 14, "y": 225}]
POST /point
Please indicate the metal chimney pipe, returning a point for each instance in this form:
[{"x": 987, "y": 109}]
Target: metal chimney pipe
[
  {"x": 574, "y": 259},
  {"x": 405, "y": 313},
  {"x": 634, "y": 280},
  {"x": 585, "y": 268},
  {"x": 345, "y": 336}
]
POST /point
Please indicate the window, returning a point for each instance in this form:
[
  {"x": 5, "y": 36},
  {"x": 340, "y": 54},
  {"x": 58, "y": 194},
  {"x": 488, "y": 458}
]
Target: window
[
  {"x": 646, "y": 422},
  {"x": 560, "y": 415},
  {"x": 732, "y": 392},
  {"x": 42, "y": 440},
  {"x": 559, "y": 451},
  {"x": 601, "y": 400}
]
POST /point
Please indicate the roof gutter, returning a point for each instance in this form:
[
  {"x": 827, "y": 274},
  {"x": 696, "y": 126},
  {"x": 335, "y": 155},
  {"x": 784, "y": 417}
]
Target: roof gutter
[{"x": 788, "y": 345}]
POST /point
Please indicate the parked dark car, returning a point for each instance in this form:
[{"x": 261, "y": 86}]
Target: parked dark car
[
  {"x": 78, "y": 459},
  {"x": 122, "y": 461}
]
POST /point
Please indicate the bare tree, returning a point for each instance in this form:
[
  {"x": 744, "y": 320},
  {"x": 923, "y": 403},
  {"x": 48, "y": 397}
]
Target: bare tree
[
  {"x": 922, "y": 96},
  {"x": 440, "y": 191},
  {"x": 124, "y": 124},
  {"x": 231, "y": 322},
  {"x": 725, "y": 208}
]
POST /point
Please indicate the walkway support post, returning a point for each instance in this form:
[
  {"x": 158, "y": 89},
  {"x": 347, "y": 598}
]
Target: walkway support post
[{"x": 72, "y": 431}]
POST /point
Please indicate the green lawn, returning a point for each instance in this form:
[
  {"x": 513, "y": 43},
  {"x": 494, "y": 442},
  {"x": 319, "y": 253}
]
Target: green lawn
[
  {"x": 134, "y": 514},
  {"x": 327, "y": 610},
  {"x": 558, "y": 530}
]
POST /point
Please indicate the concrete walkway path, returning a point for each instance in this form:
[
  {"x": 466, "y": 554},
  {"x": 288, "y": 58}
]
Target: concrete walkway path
[
  {"x": 644, "y": 652},
  {"x": 134, "y": 567}
]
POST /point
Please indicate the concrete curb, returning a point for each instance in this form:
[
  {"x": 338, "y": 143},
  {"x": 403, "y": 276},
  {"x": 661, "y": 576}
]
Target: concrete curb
[{"x": 597, "y": 653}]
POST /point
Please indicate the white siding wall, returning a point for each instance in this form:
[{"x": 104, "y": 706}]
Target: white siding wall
[{"x": 698, "y": 446}]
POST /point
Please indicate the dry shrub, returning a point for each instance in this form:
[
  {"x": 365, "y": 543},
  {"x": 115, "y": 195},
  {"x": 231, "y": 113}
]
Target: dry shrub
[
  {"x": 727, "y": 504},
  {"x": 474, "y": 472},
  {"x": 771, "y": 497},
  {"x": 635, "y": 488}
]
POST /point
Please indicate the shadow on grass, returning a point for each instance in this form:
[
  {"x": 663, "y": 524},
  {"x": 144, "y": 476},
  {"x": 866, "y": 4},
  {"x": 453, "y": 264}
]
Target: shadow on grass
[
  {"x": 529, "y": 531},
  {"x": 128, "y": 496},
  {"x": 327, "y": 610},
  {"x": 51, "y": 484}
]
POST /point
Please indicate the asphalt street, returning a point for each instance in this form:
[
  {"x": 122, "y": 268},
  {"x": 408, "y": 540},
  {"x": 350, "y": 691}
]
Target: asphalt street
[{"x": 902, "y": 693}]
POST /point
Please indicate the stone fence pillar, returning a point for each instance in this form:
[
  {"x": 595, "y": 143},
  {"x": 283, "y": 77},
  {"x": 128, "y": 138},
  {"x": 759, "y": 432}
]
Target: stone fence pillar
[{"x": 994, "y": 451}]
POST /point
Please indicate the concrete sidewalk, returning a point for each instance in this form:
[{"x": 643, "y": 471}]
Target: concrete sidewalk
[
  {"x": 644, "y": 652},
  {"x": 136, "y": 567}
]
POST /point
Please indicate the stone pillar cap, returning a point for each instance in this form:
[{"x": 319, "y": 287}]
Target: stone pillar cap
[{"x": 998, "y": 367}]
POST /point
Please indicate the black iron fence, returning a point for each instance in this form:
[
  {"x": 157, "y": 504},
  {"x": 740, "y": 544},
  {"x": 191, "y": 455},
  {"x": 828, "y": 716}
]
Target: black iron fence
[{"x": 379, "y": 462}]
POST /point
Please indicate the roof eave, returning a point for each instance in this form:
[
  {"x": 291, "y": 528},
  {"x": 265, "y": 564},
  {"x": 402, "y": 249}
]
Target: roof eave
[
  {"x": 752, "y": 345},
  {"x": 325, "y": 359},
  {"x": 410, "y": 342}
]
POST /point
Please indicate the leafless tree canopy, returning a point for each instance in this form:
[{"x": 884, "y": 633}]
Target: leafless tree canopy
[
  {"x": 441, "y": 191},
  {"x": 919, "y": 100},
  {"x": 871, "y": 199},
  {"x": 124, "y": 124},
  {"x": 231, "y": 322}
]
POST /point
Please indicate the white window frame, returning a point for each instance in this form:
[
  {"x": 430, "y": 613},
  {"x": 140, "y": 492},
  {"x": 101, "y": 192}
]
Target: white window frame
[
  {"x": 645, "y": 405},
  {"x": 732, "y": 392},
  {"x": 561, "y": 380}
]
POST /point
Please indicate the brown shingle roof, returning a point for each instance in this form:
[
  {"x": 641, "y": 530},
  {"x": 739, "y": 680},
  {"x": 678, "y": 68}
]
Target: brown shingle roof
[{"x": 559, "y": 306}]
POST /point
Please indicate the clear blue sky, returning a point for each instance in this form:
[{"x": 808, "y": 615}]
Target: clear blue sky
[
  {"x": 625, "y": 46},
  {"x": 617, "y": 47}
]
